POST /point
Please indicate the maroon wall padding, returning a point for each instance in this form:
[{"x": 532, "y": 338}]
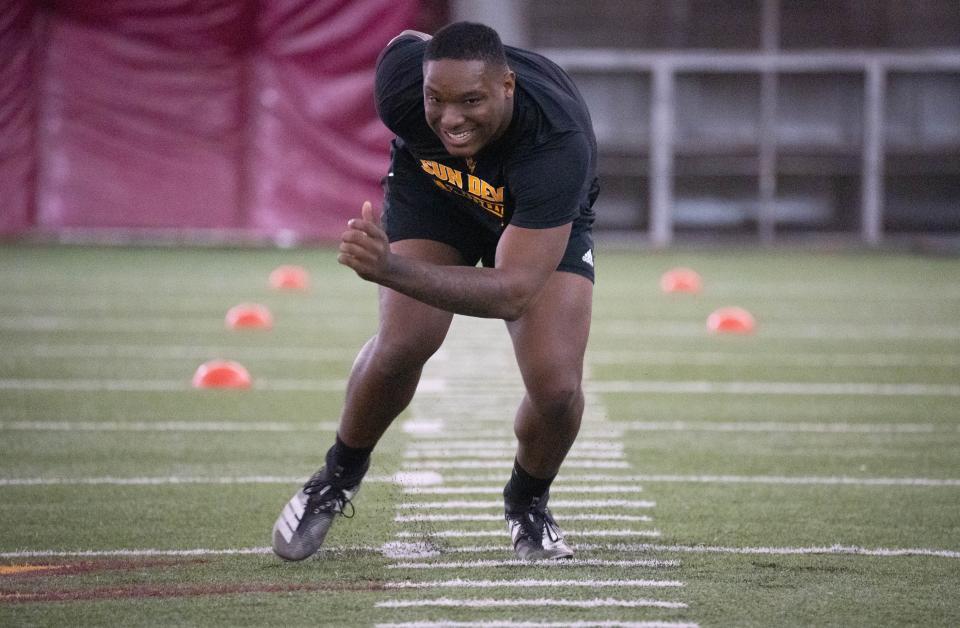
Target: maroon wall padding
[
  {"x": 18, "y": 97},
  {"x": 319, "y": 149},
  {"x": 189, "y": 114},
  {"x": 141, "y": 114}
]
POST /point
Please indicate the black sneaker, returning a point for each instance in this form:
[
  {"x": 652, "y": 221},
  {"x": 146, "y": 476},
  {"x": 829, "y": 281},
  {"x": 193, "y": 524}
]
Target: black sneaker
[
  {"x": 535, "y": 534},
  {"x": 305, "y": 519}
]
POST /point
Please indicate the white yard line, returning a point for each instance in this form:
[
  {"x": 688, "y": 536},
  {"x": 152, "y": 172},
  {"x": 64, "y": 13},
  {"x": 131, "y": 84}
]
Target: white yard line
[
  {"x": 633, "y": 328},
  {"x": 794, "y": 359},
  {"x": 508, "y": 464},
  {"x": 457, "y": 534},
  {"x": 426, "y": 445},
  {"x": 785, "y": 427},
  {"x": 415, "y": 456},
  {"x": 564, "y": 479},
  {"x": 465, "y": 583},
  {"x": 782, "y": 330},
  {"x": 775, "y": 388},
  {"x": 162, "y": 325},
  {"x": 572, "y": 562},
  {"x": 853, "y": 550},
  {"x": 435, "y": 387},
  {"x": 555, "y": 503},
  {"x": 180, "y": 352},
  {"x": 449, "y": 518},
  {"x": 810, "y": 480},
  {"x": 539, "y": 602},
  {"x": 160, "y": 480},
  {"x": 562, "y": 487},
  {"x": 327, "y": 354},
  {"x": 498, "y": 490},
  {"x": 167, "y": 426},
  {"x": 508, "y": 623},
  {"x": 161, "y": 385}
]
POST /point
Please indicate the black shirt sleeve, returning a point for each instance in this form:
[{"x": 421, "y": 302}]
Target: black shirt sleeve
[
  {"x": 398, "y": 84},
  {"x": 548, "y": 182}
]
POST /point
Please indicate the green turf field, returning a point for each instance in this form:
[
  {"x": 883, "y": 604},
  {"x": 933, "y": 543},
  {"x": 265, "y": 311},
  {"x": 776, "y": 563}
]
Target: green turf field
[{"x": 807, "y": 474}]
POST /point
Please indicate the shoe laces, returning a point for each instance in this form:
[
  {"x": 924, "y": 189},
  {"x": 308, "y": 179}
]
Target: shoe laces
[
  {"x": 537, "y": 520},
  {"x": 327, "y": 495}
]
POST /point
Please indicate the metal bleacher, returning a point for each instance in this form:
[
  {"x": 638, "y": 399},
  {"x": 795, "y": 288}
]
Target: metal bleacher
[{"x": 766, "y": 117}]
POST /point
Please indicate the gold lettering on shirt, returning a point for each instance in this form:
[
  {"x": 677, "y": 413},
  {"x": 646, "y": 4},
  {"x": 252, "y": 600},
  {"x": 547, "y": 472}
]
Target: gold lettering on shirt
[{"x": 479, "y": 191}]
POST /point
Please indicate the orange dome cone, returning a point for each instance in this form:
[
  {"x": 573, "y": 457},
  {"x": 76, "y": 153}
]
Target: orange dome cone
[
  {"x": 731, "y": 320},
  {"x": 289, "y": 278},
  {"x": 221, "y": 374},
  {"x": 681, "y": 280},
  {"x": 249, "y": 316}
]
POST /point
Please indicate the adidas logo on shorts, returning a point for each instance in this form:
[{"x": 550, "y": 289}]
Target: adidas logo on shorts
[{"x": 588, "y": 257}]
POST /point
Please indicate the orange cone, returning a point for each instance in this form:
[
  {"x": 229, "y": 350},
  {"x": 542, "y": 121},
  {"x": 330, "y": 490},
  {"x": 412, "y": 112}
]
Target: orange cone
[
  {"x": 249, "y": 316},
  {"x": 731, "y": 320},
  {"x": 289, "y": 278},
  {"x": 221, "y": 374},
  {"x": 681, "y": 280}
]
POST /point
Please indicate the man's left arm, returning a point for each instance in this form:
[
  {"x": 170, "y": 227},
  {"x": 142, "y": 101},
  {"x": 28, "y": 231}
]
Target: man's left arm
[{"x": 525, "y": 259}]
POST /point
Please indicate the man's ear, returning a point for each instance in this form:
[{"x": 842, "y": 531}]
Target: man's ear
[{"x": 509, "y": 83}]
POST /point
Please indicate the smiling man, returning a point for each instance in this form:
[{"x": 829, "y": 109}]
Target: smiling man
[{"x": 488, "y": 212}]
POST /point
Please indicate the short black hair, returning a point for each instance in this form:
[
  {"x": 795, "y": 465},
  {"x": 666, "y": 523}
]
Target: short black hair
[{"x": 466, "y": 41}]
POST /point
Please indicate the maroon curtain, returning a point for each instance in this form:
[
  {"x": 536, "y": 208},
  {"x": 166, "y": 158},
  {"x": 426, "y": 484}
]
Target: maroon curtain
[
  {"x": 192, "y": 114},
  {"x": 18, "y": 100},
  {"x": 319, "y": 149}
]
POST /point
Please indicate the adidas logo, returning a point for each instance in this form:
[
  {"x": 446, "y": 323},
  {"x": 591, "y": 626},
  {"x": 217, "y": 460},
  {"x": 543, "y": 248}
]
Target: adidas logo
[{"x": 588, "y": 257}]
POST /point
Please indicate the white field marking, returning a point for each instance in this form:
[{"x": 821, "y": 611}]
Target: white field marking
[
  {"x": 639, "y": 426},
  {"x": 781, "y": 551},
  {"x": 507, "y": 623},
  {"x": 821, "y": 360},
  {"x": 473, "y": 445},
  {"x": 492, "y": 603},
  {"x": 595, "y": 430},
  {"x": 448, "y": 518},
  {"x": 507, "y": 464},
  {"x": 166, "y": 426},
  {"x": 809, "y": 480},
  {"x": 480, "y": 549},
  {"x": 243, "y": 551},
  {"x": 497, "y": 490},
  {"x": 510, "y": 452},
  {"x": 157, "y": 324},
  {"x": 171, "y": 385},
  {"x": 159, "y": 481},
  {"x": 423, "y": 426},
  {"x": 831, "y": 331},
  {"x": 515, "y": 562},
  {"x": 416, "y": 478},
  {"x": 163, "y": 306},
  {"x": 179, "y": 352},
  {"x": 693, "y": 479},
  {"x": 429, "y": 387},
  {"x": 563, "y": 479},
  {"x": 774, "y": 388},
  {"x": 555, "y": 503},
  {"x": 457, "y": 534},
  {"x": 777, "y": 426},
  {"x": 459, "y": 583}
]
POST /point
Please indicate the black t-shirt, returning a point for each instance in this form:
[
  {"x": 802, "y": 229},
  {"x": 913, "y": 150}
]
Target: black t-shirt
[{"x": 540, "y": 173}]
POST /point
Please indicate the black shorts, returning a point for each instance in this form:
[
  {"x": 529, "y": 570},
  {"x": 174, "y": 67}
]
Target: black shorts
[{"x": 414, "y": 208}]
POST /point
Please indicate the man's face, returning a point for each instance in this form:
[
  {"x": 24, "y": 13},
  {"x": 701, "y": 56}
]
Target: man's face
[{"x": 468, "y": 103}]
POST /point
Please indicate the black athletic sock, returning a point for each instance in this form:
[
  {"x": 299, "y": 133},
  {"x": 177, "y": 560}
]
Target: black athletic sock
[
  {"x": 523, "y": 488},
  {"x": 352, "y": 461}
]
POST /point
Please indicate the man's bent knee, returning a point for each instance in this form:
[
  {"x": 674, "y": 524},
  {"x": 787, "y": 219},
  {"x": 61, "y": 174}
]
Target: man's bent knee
[
  {"x": 400, "y": 355},
  {"x": 555, "y": 400}
]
